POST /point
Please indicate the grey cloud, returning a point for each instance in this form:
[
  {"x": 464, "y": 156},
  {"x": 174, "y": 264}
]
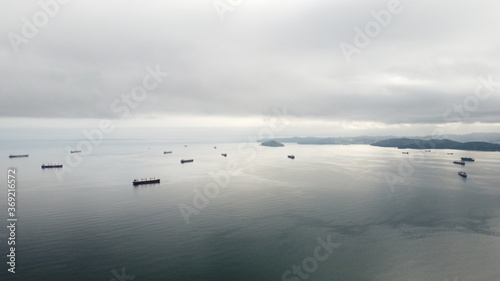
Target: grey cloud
[{"x": 264, "y": 54}]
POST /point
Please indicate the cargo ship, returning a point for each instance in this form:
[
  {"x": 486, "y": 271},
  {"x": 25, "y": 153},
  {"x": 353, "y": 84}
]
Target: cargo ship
[
  {"x": 462, "y": 174},
  {"x": 18, "y": 156},
  {"x": 145, "y": 181},
  {"x": 468, "y": 159},
  {"x": 75, "y": 151},
  {"x": 186, "y": 161},
  {"x": 459, "y": 162},
  {"x": 51, "y": 166},
  {"x": 167, "y": 152}
]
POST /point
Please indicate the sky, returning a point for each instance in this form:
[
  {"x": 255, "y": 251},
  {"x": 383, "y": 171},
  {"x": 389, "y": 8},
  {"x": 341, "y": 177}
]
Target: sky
[{"x": 323, "y": 68}]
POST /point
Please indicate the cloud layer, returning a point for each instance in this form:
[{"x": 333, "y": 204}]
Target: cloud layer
[{"x": 425, "y": 61}]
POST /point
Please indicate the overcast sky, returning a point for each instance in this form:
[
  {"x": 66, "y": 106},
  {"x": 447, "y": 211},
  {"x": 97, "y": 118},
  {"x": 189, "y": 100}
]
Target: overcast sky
[{"x": 235, "y": 63}]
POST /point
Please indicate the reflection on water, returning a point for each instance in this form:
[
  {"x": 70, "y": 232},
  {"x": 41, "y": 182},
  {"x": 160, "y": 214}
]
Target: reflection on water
[{"x": 431, "y": 225}]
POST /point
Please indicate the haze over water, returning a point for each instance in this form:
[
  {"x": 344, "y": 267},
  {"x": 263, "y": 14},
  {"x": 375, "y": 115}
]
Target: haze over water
[{"x": 433, "y": 226}]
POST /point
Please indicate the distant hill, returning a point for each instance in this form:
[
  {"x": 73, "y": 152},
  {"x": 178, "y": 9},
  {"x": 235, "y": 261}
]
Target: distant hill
[
  {"x": 332, "y": 140},
  {"x": 437, "y": 144},
  {"x": 493, "y": 138},
  {"x": 473, "y": 137},
  {"x": 272, "y": 143}
]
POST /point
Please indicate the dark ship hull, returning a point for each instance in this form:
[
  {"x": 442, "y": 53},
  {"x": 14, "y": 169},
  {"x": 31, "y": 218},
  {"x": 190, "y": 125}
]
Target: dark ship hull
[
  {"x": 18, "y": 156},
  {"x": 150, "y": 181},
  {"x": 52, "y": 166}
]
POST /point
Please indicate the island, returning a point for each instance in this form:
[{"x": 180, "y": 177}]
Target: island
[
  {"x": 405, "y": 143},
  {"x": 272, "y": 143}
]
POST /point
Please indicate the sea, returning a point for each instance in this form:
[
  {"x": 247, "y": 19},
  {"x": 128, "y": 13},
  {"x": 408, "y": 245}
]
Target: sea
[{"x": 335, "y": 212}]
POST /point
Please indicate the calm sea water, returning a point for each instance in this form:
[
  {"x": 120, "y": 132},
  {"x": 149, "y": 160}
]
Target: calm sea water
[{"x": 269, "y": 216}]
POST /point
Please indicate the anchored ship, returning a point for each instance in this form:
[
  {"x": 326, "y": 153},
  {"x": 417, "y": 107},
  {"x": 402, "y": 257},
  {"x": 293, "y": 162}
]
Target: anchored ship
[
  {"x": 291, "y": 156},
  {"x": 51, "y": 166},
  {"x": 186, "y": 161},
  {"x": 18, "y": 156},
  {"x": 459, "y": 162},
  {"x": 167, "y": 152},
  {"x": 468, "y": 159},
  {"x": 224, "y": 154},
  {"x": 75, "y": 151},
  {"x": 145, "y": 181}
]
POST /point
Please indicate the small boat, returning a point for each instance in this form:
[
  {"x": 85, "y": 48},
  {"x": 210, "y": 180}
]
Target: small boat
[
  {"x": 48, "y": 166},
  {"x": 462, "y": 174},
  {"x": 224, "y": 154},
  {"x": 75, "y": 151},
  {"x": 145, "y": 181},
  {"x": 459, "y": 162},
  {"x": 186, "y": 161},
  {"x": 215, "y": 147},
  {"x": 18, "y": 156},
  {"x": 167, "y": 152},
  {"x": 468, "y": 159},
  {"x": 291, "y": 156},
  {"x": 406, "y": 152}
]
